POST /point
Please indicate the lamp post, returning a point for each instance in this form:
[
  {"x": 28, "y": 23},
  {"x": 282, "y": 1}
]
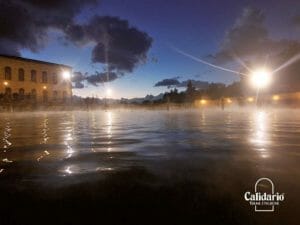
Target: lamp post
[
  {"x": 260, "y": 78},
  {"x": 66, "y": 75}
]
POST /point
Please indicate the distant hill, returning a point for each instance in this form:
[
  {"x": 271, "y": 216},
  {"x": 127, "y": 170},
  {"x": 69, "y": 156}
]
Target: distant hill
[
  {"x": 122, "y": 100},
  {"x": 141, "y": 100}
]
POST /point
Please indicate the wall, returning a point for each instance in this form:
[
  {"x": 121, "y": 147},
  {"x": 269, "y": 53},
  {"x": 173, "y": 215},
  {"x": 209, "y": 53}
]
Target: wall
[{"x": 61, "y": 86}]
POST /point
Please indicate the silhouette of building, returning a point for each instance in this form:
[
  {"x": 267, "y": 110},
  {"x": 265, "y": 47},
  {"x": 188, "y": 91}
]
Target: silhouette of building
[{"x": 34, "y": 80}]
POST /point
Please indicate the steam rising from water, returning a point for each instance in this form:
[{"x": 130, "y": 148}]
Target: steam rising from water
[{"x": 70, "y": 144}]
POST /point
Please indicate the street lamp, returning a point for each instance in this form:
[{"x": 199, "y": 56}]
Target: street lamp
[
  {"x": 66, "y": 75},
  {"x": 250, "y": 99},
  {"x": 203, "y": 101},
  {"x": 275, "y": 97},
  {"x": 260, "y": 78},
  {"x": 5, "y": 83}
]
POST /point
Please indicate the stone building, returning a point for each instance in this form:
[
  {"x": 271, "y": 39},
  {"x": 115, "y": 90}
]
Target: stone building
[{"x": 31, "y": 80}]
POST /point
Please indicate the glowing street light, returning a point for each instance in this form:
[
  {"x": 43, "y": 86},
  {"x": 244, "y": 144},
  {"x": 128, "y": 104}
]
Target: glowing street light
[
  {"x": 66, "y": 75},
  {"x": 260, "y": 78},
  {"x": 275, "y": 97},
  {"x": 45, "y": 87},
  {"x": 250, "y": 99},
  {"x": 203, "y": 101},
  {"x": 108, "y": 92},
  {"x": 5, "y": 83}
]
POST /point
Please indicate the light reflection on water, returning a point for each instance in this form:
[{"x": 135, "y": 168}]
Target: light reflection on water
[
  {"x": 70, "y": 143},
  {"x": 260, "y": 137}
]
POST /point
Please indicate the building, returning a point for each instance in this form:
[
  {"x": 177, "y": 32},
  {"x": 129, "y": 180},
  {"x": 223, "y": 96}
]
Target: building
[{"x": 31, "y": 80}]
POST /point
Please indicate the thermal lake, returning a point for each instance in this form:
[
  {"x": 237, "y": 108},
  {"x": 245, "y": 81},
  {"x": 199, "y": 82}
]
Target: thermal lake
[{"x": 147, "y": 167}]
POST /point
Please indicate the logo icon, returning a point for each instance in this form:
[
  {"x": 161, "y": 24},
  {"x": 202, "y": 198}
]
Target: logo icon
[{"x": 264, "y": 198}]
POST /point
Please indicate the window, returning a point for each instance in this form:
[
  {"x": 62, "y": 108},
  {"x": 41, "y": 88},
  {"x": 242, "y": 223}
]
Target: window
[
  {"x": 33, "y": 75},
  {"x": 54, "y": 78},
  {"x": 21, "y": 75},
  {"x": 7, "y": 73},
  {"x": 55, "y": 94},
  {"x": 44, "y": 77}
]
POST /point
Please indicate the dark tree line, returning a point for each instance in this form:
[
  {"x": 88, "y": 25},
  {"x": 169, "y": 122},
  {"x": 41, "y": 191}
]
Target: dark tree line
[{"x": 214, "y": 91}]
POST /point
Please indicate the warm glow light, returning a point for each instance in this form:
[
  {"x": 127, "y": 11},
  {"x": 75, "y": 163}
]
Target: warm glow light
[
  {"x": 203, "y": 101},
  {"x": 66, "y": 75},
  {"x": 275, "y": 97},
  {"x": 45, "y": 87},
  {"x": 250, "y": 99},
  {"x": 260, "y": 78},
  {"x": 229, "y": 100},
  {"x": 5, "y": 83}
]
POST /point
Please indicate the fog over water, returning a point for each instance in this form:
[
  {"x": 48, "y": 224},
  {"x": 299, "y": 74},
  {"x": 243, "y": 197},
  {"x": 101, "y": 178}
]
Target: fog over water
[{"x": 226, "y": 151}]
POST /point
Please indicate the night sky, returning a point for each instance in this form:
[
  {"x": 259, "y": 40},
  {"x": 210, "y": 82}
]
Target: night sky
[{"x": 142, "y": 52}]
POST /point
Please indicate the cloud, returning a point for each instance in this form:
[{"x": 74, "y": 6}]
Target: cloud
[
  {"x": 173, "y": 82},
  {"x": 79, "y": 78},
  {"x": 247, "y": 37},
  {"x": 117, "y": 44},
  {"x": 167, "y": 82},
  {"x": 288, "y": 62},
  {"x": 9, "y": 47},
  {"x": 248, "y": 41},
  {"x": 296, "y": 20},
  {"x": 24, "y": 23},
  {"x": 102, "y": 77},
  {"x": 78, "y": 85}
]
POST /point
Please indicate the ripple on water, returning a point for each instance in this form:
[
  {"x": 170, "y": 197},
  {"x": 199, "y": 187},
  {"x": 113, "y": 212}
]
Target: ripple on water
[{"x": 66, "y": 144}]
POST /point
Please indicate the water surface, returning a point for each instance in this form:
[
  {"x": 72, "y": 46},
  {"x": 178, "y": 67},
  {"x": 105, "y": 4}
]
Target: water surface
[{"x": 217, "y": 154}]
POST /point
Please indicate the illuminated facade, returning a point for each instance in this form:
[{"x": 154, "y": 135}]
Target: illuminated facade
[{"x": 34, "y": 80}]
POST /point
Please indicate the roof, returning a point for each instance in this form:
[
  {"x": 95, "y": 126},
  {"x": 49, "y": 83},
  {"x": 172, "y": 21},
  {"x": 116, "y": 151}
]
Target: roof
[{"x": 34, "y": 60}]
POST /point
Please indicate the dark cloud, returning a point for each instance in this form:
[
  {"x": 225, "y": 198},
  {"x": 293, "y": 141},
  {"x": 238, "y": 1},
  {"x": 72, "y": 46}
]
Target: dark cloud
[
  {"x": 9, "y": 48},
  {"x": 198, "y": 84},
  {"x": 24, "y": 23},
  {"x": 173, "y": 82},
  {"x": 167, "y": 82},
  {"x": 296, "y": 20},
  {"x": 78, "y": 85},
  {"x": 102, "y": 77},
  {"x": 247, "y": 37},
  {"x": 118, "y": 44},
  {"x": 288, "y": 60},
  {"x": 79, "y": 78}
]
